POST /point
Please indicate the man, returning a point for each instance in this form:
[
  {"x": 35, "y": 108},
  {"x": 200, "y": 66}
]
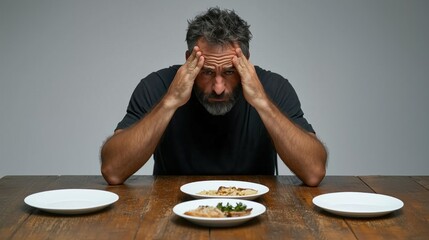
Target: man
[{"x": 216, "y": 114}]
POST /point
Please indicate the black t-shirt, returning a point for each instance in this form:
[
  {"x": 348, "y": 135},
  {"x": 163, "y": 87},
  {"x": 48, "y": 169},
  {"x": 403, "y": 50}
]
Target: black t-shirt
[{"x": 198, "y": 143}]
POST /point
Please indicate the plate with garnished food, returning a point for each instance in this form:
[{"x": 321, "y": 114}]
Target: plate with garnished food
[
  {"x": 219, "y": 212},
  {"x": 224, "y": 189}
]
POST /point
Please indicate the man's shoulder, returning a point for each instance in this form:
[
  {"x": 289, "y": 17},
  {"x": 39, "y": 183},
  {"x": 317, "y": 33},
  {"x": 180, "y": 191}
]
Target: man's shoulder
[
  {"x": 162, "y": 76},
  {"x": 169, "y": 70},
  {"x": 267, "y": 75},
  {"x": 167, "y": 73}
]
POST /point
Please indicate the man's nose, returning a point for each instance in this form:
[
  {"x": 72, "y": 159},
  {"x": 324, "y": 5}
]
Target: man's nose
[{"x": 219, "y": 85}]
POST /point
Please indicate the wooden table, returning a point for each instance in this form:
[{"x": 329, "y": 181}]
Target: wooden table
[{"x": 144, "y": 210}]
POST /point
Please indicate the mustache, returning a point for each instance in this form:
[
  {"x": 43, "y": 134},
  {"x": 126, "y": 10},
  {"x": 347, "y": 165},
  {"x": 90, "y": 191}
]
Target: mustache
[{"x": 216, "y": 96}]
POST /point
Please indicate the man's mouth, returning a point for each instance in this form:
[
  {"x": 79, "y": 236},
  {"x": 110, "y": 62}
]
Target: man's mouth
[{"x": 216, "y": 99}]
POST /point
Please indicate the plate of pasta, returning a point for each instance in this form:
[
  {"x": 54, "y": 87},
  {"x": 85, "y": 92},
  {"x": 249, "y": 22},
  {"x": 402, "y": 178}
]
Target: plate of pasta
[{"x": 224, "y": 189}]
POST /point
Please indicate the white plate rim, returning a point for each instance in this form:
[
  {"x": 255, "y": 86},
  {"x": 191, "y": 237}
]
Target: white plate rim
[
  {"x": 192, "y": 188},
  {"x": 369, "y": 203},
  {"x": 181, "y": 208},
  {"x": 50, "y": 200}
]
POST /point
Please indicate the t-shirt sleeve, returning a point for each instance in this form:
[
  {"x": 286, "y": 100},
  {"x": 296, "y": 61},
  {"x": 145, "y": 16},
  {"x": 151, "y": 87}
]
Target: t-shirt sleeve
[
  {"x": 137, "y": 107},
  {"x": 285, "y": 97},
  {"x": 145, "y": 96}
]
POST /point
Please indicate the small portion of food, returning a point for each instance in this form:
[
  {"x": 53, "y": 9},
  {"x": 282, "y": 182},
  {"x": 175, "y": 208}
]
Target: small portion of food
[
  {"x": 220, "y": 211},
  {"x": 206, "y": 211},
  {"x": 229, "y": 191}
]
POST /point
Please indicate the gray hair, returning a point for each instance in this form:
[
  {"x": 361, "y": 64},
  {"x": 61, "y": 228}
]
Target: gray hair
[{"x": 219, "y": 27}]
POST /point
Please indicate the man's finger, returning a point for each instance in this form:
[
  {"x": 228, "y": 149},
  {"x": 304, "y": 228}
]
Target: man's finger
[
  {"x": 197, "y": 62},
  {"x": 240, "y": 60},
  {"x": 192, "y": 55}
]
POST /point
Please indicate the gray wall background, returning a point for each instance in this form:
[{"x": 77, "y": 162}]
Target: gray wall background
[{"x": 68, "y": 68}]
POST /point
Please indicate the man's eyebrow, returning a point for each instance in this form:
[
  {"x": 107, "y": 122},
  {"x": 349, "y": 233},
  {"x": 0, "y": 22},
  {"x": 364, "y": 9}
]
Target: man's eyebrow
[
  {"x": 229, "y": 68},
  {"x": 208, "y": 68}
]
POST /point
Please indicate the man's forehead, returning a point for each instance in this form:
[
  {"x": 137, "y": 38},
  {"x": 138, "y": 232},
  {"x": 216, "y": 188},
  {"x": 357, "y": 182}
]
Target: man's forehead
[{"x": 222, "y": 59}]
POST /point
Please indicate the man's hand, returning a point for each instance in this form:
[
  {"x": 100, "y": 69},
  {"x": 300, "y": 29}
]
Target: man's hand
[
  {"x": 253, "y": 90},
  {"x": 180, "y": 89}
]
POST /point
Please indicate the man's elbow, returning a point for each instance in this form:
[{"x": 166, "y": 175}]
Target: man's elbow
[
  {"x": 318, "y": 171},
  {"x": 314, "y": 179},
  {"x": 110, "y": 175}
]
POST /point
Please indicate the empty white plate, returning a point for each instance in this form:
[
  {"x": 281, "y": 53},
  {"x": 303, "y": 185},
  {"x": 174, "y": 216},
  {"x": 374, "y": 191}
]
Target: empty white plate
[
  {"x": 357, "y": 204},
  {"x": 71, "y": 201}
]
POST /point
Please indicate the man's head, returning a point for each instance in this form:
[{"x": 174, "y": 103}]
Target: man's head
[
  {"x": 220, "y": 27},
  {"x": 218, "y": 33}
]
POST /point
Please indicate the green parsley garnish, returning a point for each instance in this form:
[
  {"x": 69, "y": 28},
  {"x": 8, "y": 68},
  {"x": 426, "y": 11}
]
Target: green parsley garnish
[{"x": 229, "y": 208}]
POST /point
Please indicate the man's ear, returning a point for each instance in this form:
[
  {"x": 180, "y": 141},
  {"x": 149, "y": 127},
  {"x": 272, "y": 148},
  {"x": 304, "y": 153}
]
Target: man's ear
[{"x": 187, "y": 54}]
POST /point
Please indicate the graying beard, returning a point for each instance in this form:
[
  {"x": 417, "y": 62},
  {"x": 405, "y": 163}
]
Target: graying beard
[{"x": 218, "y": 108}]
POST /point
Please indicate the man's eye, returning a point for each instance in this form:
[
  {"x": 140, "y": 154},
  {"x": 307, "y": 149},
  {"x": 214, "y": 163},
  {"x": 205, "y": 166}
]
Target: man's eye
[
  {"x": 208, "y": 72},
  {"x": 229, "y": 72}
]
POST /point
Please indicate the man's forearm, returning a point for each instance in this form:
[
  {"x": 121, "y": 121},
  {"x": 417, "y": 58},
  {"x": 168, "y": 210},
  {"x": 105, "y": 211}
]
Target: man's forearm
[
  {"x": 301, "y": 151},
  {"x": 129, "y": 149}
]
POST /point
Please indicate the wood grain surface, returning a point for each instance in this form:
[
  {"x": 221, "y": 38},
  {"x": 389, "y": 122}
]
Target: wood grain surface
[{"x": 144, "y": 210}]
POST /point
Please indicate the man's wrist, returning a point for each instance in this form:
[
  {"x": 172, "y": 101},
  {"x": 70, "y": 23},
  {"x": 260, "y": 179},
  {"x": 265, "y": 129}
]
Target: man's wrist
[
  {"x": 169, "y": 103},
  {"x": 262, "y": 102}
]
